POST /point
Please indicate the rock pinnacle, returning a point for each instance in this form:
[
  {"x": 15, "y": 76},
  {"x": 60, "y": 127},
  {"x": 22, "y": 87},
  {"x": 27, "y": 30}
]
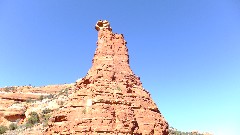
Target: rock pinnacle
[{"x": 110, "y": 99}]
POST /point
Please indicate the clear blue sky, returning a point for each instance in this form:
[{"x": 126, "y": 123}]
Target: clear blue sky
[{"x": 187, "y": 52}]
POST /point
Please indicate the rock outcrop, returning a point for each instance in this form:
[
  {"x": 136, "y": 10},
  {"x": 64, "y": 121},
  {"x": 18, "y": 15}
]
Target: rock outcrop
[
  {"x": 110, "y": 99},
  {"x": 15, "y": 112},
  {"x": 16, "y": 102}
]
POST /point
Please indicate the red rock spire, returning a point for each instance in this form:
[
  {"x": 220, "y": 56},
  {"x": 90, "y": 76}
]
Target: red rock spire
[
  {"x": 110, "y": 99},
  {"x": 111, "y": 59}
]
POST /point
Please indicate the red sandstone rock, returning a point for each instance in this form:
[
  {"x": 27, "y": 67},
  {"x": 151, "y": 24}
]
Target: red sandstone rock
[
  {"x": 49, "y": 89},
  {"x": 4, "y": 104},
  {"x": 110, "y": 99},
  {"x": 13, "y": 101},
  {"x": 19, "y": 96},
  {"x": 15, "y": 112}
]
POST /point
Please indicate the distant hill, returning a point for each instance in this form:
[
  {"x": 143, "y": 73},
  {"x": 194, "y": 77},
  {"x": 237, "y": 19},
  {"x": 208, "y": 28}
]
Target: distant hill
[{"x": 174, "y": 131}]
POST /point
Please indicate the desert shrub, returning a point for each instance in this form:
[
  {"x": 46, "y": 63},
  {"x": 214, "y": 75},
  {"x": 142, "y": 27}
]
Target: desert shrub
[
  {"x": 173, "y": 131},
  {"x": 45, "y": 119},
  {"x": 3, "y": 129},
  {"x": 30, "y": 100},
  {"x": 12, "y": 126},
  {"x": 46, "y": 114},
  {"x": 22, "y": 126},
  {"x": 118, "y": 88},
  {"x": 50, "y": 96},
  {"x": 64, "y": 92},
  {"x": 46, "y": 111},
  {"x": 41, "y": 97},
  {"x": 61, "y": 102},
  {"x": 8, "y": 89},
  {"x": 33, "y": 119},
  {"x": 84, "y": 111}
]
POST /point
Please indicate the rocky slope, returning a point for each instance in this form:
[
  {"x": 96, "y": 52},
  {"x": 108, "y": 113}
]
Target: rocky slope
[
  {"x": 17, "y": 102},
  {"x": 110, "y": 99}
]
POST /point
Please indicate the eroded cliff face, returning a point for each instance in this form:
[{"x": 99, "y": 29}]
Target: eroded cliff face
[{"x": 110, "y": 99}]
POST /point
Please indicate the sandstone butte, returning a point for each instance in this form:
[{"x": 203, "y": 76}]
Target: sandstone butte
[{"x": 110, "y": 99}]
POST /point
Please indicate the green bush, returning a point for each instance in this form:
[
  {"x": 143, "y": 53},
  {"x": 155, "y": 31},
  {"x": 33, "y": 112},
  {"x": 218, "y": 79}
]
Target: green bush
[
  {"x": 13, "y": 126},
  {"x": 33, "y": 119},
  {"x": 3, "y": 129}
]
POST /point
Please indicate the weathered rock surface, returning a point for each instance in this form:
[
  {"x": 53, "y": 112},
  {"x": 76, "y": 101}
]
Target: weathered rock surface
[
  {"x": 110, "y": 99},
  {"x": 20, "y": 96},
  {"x": 49, "y": 89},
  {"x": 17, "y": 102},
  {"x": 15, "y": 112}
]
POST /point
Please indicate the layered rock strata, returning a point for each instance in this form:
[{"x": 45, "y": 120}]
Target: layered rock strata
[
  {"x": 110, "y": 99},
  {"x": 17, "y": 101}
]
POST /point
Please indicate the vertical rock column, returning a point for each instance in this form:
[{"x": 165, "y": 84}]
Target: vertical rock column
[
  {"x": 110, "y": 99},
  {"x": 111, "y": 59}
]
